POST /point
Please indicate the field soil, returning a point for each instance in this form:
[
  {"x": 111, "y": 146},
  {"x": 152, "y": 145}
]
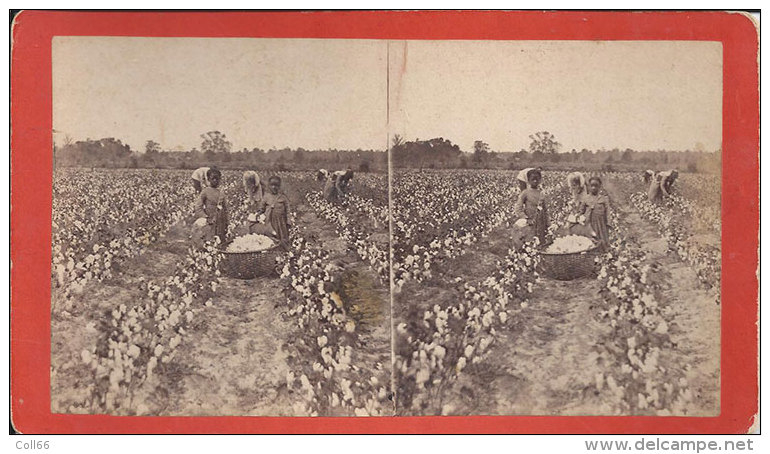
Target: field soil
[
  {"x": 547, "y": 361},
  {"x": 232, "y": 360}
]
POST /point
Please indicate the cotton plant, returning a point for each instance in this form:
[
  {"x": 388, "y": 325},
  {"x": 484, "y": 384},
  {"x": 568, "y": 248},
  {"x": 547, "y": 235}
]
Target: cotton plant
[
  {"x": 137, "y": 342},
  {"x": 325, "y": 368},
  {"x": 117, "y": 219},
  {"x": 674, "y": 223},
  {"x": 355, "y": 234},
  {"x": 634, "y": 379},
  {"x": 434, "y": 347}
]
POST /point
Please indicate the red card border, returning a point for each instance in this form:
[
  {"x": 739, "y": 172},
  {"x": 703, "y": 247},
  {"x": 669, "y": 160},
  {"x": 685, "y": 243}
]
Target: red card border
[{"x": 31, "y": 161}]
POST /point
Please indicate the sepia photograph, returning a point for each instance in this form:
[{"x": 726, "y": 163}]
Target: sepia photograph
[
  {"x": 297, "y": 221},
  {"x": 220, "y": 227},
  {"x": 556, "y": 227}
]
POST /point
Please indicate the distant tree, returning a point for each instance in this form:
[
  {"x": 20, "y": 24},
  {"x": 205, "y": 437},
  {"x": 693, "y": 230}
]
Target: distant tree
[
  {"x": 420, "y": 153},
  {"x": 398, "y": 141},
  {"x": 152, "y": 147},
  {"x": 214, "y": 142},
  {"x": 544, "y": 142},
  {"x": 480, "y": 150}
]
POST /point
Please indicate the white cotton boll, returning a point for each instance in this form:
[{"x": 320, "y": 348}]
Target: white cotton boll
[
  {"x": 570, "y": 244},
  {"x": 250, "y": 243}
]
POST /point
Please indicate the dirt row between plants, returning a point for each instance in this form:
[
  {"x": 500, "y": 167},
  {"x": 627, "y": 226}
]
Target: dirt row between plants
[
  {"x": 696, "y": 312},
  {"x": 232, "y": 359},
  {"x": 546, "y": 363}
]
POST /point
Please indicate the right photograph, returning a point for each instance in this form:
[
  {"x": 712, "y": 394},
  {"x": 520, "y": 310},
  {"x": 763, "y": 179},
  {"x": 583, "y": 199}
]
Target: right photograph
[{"x": 556, "y": 227}]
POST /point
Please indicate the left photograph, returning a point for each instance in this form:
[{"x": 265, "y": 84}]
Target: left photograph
[{"x": 220, "y": 240}]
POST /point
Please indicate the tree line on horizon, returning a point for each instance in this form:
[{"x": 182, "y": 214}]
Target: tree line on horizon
[
  {"x": 434, "y": 153},
  {"x": 215, "y": 150},
  {"x": 545, "y": 151}
]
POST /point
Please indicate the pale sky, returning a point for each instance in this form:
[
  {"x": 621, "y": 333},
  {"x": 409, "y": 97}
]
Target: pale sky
[
  {"x": 333, "y": 93},
  {"x": 259, "y": 92},
  {"x": 589, "y": 94}
]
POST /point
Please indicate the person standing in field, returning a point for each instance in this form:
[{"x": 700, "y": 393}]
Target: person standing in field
[
  {"x": 275, "y": 205},
  {"x": 200, "y": 179},
  {"x": 531, "y": 206},
  {"x": 211, "y": 209},
  {"x": 596, "y": 206}
]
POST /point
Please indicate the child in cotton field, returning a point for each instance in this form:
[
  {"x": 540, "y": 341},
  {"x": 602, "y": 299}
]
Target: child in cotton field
[
  {"x": 343, "y": 181},
  {"x": 253, "y": 186},
  {"x": 576, "y": 220},
  {"x": 648, "y": 176},
  {"x": 211, "y": 209},
  {"x": 596, "y": 206},
  {"x": 275, "y": 205},
  {"x": 661, "y": 184},
  {"x": 533, "y": 220},
  {"x": 331, "y": 191},
  {"x": 200, "y": 179},
  {"x": 521, "y": 178}
]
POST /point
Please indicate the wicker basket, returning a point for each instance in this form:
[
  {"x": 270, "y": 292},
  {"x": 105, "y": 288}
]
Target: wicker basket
[
  {"x": 248, "y": 265},
  {"x": 569, "y": 266}
]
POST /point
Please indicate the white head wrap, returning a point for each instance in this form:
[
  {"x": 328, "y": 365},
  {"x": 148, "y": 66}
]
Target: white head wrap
[
  {"x": 522, "y": 176},
  {"x": 252, "y": 175}
]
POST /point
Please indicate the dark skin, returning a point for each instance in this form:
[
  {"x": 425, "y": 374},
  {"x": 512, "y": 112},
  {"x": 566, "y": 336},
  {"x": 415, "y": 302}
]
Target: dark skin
[
  {"x": 275, "y": 186},
  {"x": 594, "y": 186},
  {"x": 534, "y": 180},
  {"x": 214, "y": 181},
  {"x": 669, "y": 183}
]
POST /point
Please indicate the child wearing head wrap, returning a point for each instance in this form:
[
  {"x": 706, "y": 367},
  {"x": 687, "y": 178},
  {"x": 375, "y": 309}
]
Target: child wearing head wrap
[
  {"x": 331, "y": 192},
  {"x": 200, "y": 179},
  {"x": 667, "y": 181},
  {"x": 255, "y": 192},
  {"x": 661, "y": 185},
  {"x": 577, "y": 185},
  {"x": 253, "y": 187},
  {"x": 343, "y": 181},
  {"x": 648, "y": 176},
  {"x": 576, "y": 220},
  {"x": 521, "y": 178}
]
